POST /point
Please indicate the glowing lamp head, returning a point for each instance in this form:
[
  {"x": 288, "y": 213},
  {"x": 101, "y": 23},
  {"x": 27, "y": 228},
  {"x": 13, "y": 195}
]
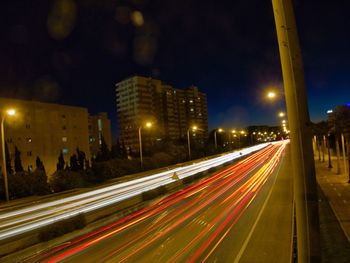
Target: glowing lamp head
[
  {"x": 11, "y": 112},
  {"x": 194, "y": 128},
  {"x": 242, "y": 132},
  {"x": 148, "y": 124},
  {"x": 220, "y": 130},
  {"x": 281, "y": 114},
  {"x": 271, "y": 95}
]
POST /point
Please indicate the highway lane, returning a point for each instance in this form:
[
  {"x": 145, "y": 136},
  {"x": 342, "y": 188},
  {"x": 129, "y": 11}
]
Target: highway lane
[
  {"x": 191, "y": 225},
  {"x": 16, "y": 222}
]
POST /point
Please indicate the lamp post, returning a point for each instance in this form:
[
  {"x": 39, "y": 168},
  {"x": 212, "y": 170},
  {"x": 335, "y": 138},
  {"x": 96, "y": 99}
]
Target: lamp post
[
  {"x": 239, "y": 138},
  {"x": 215, "y": 141},
  {"x": 188, "y": 140},
  {"x": 304, "y": 179},
  {"x": 233, "y": 136},
  {"x": 252, "y": 138},
  {"x": 148, "y": 125},
  {"x": 10, "y": 112}
]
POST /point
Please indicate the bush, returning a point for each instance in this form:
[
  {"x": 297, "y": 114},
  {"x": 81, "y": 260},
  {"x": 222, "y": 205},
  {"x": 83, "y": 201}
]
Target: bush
[
  {"x": 62, "y": 227},
  {"x": 63, "y": 180}
]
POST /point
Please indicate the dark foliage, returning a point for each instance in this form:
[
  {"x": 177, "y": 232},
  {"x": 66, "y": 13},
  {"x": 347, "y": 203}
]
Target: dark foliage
[
  {"x": 61, "y": 163},
  {"x": 18, "y": 161}
]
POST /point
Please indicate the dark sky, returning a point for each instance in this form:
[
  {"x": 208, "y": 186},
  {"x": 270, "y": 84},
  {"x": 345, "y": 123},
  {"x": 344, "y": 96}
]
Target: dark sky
[{"x": 74, "y": 51}]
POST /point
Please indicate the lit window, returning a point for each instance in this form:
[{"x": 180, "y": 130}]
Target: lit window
[
  {"x": 64, "y": 139},
  {"x": 29, "y": 140},
  {"x": 65, "y": 151},
  {"x": 99, "y": 123},
  {"x": 191, "y": 109},
  {"x": 191, "y": 101}
]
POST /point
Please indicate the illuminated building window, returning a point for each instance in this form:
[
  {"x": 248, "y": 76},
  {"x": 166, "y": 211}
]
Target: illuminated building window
[
  {"x": 65, "y": 151},
  {"x": 64, "y": 139},
  {"x": 29, "y": 140},
  {"x": 191, "y": 101},
  {"x": 99, "y": 123},
  {"x": 191, "y": 109}
]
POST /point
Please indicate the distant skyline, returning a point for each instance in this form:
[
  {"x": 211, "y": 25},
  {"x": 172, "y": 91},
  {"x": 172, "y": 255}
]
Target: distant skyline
[{"x": 228, "y": 49}]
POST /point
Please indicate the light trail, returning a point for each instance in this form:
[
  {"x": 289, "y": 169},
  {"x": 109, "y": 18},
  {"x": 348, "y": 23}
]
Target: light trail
[
  {"x": 30, "y": 218},
  {"x": 210, "y": 190}
]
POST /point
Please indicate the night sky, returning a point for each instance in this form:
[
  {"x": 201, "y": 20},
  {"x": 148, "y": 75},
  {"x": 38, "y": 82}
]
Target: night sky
[{"x": 73, "y": 52}]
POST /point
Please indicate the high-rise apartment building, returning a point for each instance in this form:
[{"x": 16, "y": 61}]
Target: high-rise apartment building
[
  {"x": 45, "y": 130},
  {"x": 99, "y": 127},
  {"x": 141, "y": 99}
]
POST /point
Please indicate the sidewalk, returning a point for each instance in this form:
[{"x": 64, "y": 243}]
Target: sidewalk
[{"x": 334, "y": 207}]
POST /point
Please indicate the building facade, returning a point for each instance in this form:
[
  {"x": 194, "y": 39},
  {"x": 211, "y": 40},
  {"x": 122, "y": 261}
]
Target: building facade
[
  {"x": 45, "y": 130},
  {"x": 99, "y": 127},
  {"x": 173, "y": 111}
]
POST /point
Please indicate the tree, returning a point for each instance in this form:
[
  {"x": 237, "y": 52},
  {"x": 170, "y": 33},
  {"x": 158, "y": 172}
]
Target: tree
[
  {"x": 104, "y": 154},
  {"x": 39, "y": 164},
  {"x": 116, "y": 150},
  {"x": 18, "y": 162},
  {"x": 61, "y": 163},
  {"x": 38, "y": 179},
  {"x": 8, "y": 159},
  {"x": 81, "y": 159},
  {"x": 74, "y": 166}
]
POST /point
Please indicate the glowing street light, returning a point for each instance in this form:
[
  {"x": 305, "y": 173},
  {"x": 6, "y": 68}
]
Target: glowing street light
[
  {"x": 10, "y": 112},
  {"x": 188, "y": 140},
  {"x": 271, "y": 95},
  {"x": 217, "y": 130},
  {"x": 147, "y": 125},
  {"x": 281, "y": 114}
]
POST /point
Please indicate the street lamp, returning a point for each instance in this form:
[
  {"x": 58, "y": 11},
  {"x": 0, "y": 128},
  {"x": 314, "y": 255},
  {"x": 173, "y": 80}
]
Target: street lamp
[
  {"x": 281, "y": 114},
  {"x": 10, "y": 112},
  {"x": 147, "y": 125},
  {"x": 188, "y": 140},
  {"x": 239, "y": 138},
  {"x": 217, "y": 130},
  {"x": 271, "y": 95}
]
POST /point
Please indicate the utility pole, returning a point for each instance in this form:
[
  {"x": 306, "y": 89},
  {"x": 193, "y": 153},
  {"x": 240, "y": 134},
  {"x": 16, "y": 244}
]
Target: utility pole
[{"x": 304, "y": 179}]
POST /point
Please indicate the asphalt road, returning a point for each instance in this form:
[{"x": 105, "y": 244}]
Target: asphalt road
[{"x": 240, "y": 214}]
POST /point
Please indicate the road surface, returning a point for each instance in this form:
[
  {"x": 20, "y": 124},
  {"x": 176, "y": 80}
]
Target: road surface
[{"x": 240, "y": 214}]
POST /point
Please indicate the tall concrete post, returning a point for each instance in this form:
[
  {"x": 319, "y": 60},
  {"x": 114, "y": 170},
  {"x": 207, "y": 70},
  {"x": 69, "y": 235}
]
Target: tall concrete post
[{"x": 305, "y": 190}]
